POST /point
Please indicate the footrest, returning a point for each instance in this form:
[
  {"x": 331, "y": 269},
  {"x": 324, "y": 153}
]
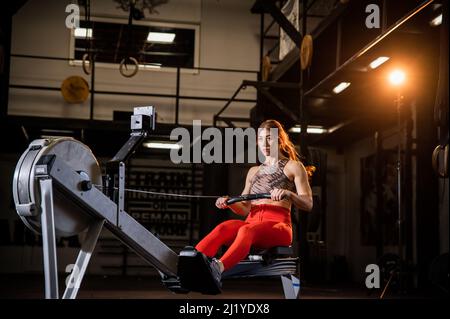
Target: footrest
[{"x": 195, "y": 272}]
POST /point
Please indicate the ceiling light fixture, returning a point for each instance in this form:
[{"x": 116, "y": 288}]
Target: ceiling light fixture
[
  {"x": 341, "y": 87},
  {"x": 161, "y": 37},
  {"x": 378, "y": 61}
]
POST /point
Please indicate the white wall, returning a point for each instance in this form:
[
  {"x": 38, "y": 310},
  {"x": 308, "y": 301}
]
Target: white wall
[{"x": 228, "y": 39}]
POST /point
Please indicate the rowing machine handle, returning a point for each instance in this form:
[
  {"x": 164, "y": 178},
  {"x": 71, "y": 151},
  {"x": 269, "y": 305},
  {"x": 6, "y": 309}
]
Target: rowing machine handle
[{"x": 246, "y": 197}]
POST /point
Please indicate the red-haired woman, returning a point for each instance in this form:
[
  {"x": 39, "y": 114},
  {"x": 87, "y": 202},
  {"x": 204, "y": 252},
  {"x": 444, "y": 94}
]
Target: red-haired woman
[{"x": 268, "y": 221}]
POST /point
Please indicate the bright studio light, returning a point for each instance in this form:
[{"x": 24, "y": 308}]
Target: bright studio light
[{"x": 397, "y": 77}]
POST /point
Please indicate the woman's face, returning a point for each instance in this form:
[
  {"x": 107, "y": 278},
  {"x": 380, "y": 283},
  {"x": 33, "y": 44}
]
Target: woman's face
[{"x": 268, "y": 141}]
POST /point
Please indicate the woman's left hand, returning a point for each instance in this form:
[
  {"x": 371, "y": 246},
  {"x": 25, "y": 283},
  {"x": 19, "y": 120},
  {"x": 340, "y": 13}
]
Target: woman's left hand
[{"x": 279, "y": 194}]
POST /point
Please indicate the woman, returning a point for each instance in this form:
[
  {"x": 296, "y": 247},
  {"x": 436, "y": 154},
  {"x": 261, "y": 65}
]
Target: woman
[{"x": 268, "y": 221}]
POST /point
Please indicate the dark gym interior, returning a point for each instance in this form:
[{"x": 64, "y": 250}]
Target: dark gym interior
[{"x": 360, "y": 86}]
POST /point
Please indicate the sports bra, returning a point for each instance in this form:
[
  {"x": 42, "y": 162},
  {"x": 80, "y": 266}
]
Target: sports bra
[{"x": 269, "y": 177}]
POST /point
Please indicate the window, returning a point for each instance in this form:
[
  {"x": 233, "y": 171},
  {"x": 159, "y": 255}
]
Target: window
[{"x": 155, "y": 45}]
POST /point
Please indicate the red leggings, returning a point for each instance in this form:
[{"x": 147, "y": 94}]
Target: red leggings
[{"x": 265, "y": 226}]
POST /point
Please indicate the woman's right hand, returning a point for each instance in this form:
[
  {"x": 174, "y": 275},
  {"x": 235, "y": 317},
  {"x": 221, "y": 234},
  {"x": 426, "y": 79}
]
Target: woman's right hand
[{"x": 221, "y": 202}]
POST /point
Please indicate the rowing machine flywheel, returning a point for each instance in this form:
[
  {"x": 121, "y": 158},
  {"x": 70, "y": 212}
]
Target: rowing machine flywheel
[{"x": 68, "y": 216}]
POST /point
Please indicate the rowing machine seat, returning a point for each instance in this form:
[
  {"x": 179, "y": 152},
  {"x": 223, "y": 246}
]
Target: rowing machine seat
[{"x": 273, "y": 262}]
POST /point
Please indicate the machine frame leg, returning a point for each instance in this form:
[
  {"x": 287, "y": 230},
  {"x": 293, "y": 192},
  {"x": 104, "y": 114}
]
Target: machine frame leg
[
  {"x": 48, "y": 239},
  {"x": 291, "y": 286},
  {"x": 73, "y": 282}
]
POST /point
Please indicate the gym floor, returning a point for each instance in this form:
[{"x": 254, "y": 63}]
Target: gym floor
[{"x": 129, "y": 287}]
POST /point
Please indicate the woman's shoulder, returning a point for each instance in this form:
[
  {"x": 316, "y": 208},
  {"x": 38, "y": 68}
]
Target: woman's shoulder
[
  {"x": 252, "y": 171},
  {"x": 294, "y": 165}
]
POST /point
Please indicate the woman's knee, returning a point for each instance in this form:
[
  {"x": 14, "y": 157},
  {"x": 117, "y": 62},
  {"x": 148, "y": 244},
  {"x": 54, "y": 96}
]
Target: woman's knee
[
  {"x": 283, "y": 233},
  {"x": 246, "y": 231}
]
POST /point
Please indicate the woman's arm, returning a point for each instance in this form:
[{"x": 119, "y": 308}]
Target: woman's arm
[
  {"x": 242, "y": 208},
  {"x": 303, "y": 198}
]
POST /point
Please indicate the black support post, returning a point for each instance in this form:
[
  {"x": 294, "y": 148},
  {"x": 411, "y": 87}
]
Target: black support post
[
  {"x": 261, "y": 47},
  {"x": 408, "y": 186},
  {"x": 91, "y": 109},
  {"x": 379, "y": 194},
  {"x": 177, "y": 98},
  {"x": 5, "y": 60}
]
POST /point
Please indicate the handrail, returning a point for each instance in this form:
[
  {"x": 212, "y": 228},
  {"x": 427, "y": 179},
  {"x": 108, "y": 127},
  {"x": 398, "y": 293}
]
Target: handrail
[
  {"x": 177, "y": 96},
  {"x": 182, "y": 68}
]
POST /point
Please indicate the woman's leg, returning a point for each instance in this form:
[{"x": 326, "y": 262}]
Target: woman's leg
[
  {"x": 223, "y": 234},
  {"x": 264, "y": 234}
]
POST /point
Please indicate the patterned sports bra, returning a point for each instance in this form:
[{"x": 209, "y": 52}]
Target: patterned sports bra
[{"x": 269, "y": 177}]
